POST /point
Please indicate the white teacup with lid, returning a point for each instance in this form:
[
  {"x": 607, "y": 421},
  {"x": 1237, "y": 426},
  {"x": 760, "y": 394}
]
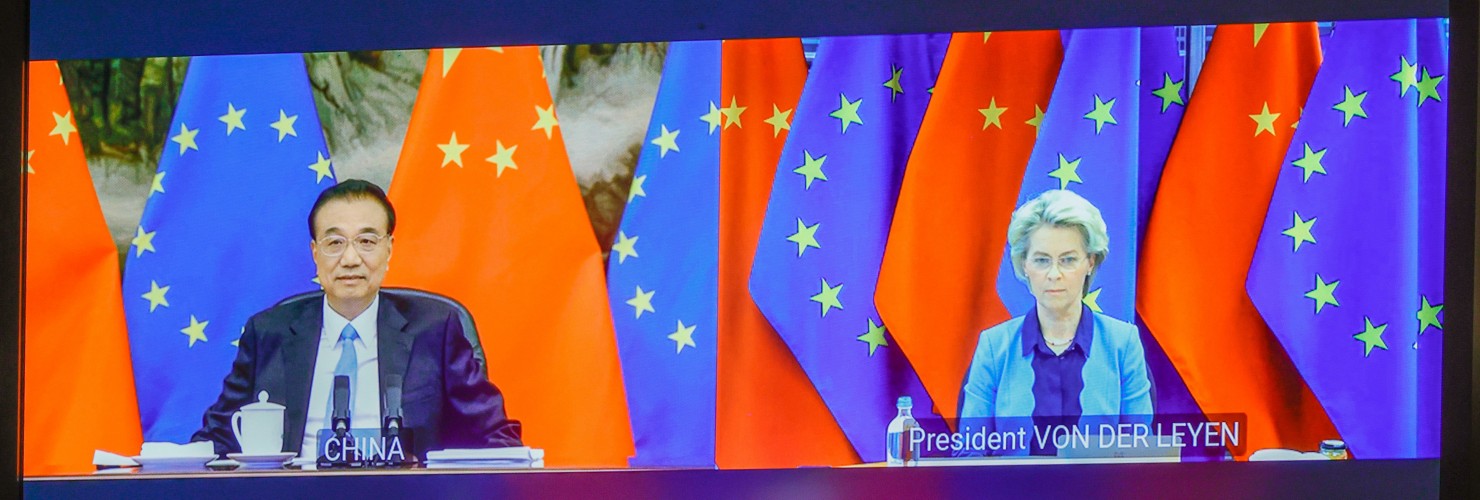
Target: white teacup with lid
[{"x": 259, "y": 427}]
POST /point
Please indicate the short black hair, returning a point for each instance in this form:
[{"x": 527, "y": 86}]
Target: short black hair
[{"x": 353, "y": 189}]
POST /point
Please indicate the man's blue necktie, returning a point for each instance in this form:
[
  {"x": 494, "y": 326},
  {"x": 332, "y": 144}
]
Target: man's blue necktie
[{"x": 348, "y": 366}]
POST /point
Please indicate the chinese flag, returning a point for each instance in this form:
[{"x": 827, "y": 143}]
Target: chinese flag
[
  {"x": 489, "y": 213},
  {"x": 766, "y": 403},
  {"x": 79, "y": 382},
  {"x": 1206, "y": 221},
  {"x": 937, "y": 287}
]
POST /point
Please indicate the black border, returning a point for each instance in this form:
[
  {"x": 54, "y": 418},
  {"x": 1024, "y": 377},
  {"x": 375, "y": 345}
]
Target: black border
[
  {"x": 1461, "y": 424},
  {"x": 14, "y": 39},
  {"x": 90, "y": 29}
]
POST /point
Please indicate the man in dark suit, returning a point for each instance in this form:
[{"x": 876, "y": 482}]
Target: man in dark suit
[{"x": 294, "y": 350}]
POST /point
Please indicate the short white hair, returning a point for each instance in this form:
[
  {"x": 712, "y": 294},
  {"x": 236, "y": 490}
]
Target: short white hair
[{"x": 1057, "y": 208}]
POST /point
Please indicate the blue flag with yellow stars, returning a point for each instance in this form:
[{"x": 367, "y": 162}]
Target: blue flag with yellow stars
[
  {"x": 822, "y": 240},
  {"x": 1164, "y": 92},
  {"x": 1349, "y": 268},
  {"x": 663, "y": 268},
  {"x": 1088, "y": 143},
  {"x": 224, "y": 232}
]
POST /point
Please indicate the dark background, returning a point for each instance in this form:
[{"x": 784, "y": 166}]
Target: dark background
[{"x": 91, "y": 29}]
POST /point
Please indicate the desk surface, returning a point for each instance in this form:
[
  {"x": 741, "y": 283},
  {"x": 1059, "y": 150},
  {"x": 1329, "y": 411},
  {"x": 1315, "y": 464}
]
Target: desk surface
[{"x": 1380, "y": 478}]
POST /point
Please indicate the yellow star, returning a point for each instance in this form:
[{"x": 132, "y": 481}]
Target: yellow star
[
  {"x": 1407, "y": 76},
  {"x": 1067, "y": 172},
  {"x": 1259, "y": 29},
  {"x": 712, "y": 117},
  {"x": 449, "y": 56},
  {"x": 811, "y": 168},
  {"x": 186, "y": 139},
  {"x": 806, "y": 236},
  {"x": 874, "y": 337},
  {"x": 503, "y": 158},
  {"x": 64, "y": 127},
  {"x": 196, "y": 331},
  {"x": 1170, "y": 92},
  {"x": 1350, "y": 106},
  {"x": 1036, "y": 120},
  {"x": 1324, "y": 293},
  {"x": 157, "y": 185},
  {"x": 666, "y": 141},
  {"x": 893, "y": 83},
  {"x": 284, "y": 125},
  {"x": 1092, "y": 300},
  {"x": 1265, "y": 120},
  {"x": 732, "y": 114},
  {"x": 625, "y": 247},
  {"x": 779, "y": 120},
  {"x": 828, "y": 297},
  {"x": 29, "y": 154},
  {"x": 847, "y": 111},
  {"x": 233, "y": 118},
  {"x": 636, "y": 189},
  {"x": 1428, "y": 88},
  {"x": 320, "y": 168},
  {"x": 1371, "y": 336},
  {"x": 643, "y": 301},
  {"x": 1300, "y": 231},
  {"x": 546, "y": 121},
  {"x": 683, "y": 336},
  {"x": 452, "y": 151},
  {"x": 143, "y": 242},
  {"x": 993, "y": 115},
  {"x": 1101, "y": 114},
  {"x": 1310, "y": 162},
  {"x": 1428, "y": 315},
  {"x": 156, "y": 295},
  {"x": 986, "y": 36}
]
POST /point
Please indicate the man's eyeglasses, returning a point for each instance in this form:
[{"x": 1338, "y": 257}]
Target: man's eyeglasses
[
  {"x": 335, "y": 245},
  {"x": 1066, "y": 264}
]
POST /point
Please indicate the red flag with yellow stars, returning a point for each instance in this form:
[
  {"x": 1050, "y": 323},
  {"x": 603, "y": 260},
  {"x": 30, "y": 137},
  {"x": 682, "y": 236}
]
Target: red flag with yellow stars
[
  {"x": 766, "y": 402},
  {"x": 937, "y": 287},
  {"x": 489, "y": 213},
  {"x": 1201, "y": 236},
  {"x": 79, "y": 388}
]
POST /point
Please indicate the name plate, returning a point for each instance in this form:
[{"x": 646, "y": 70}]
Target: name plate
[{"x": 364, "y": 448}]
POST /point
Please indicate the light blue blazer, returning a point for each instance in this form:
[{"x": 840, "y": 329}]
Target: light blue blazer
[{"x": 1000, "y": 380}]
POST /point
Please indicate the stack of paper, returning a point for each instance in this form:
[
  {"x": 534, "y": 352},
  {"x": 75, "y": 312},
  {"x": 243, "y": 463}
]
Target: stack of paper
[
  {"x": 521, "y": 457},
  {"x": 1281, "y": 454},
  {"x": 172, "y": 457}
]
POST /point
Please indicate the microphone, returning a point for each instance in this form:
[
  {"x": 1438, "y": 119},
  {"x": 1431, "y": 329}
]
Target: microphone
[
  {"x": 340, "y": 422},
  {"x": 392, "y": 424},
  {"x": 394, "y": 440}
]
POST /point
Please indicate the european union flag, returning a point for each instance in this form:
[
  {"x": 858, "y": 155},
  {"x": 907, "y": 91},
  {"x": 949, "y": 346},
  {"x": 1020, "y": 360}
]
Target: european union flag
[
  {"x": 663, "y": 270},
  {"x": 224, "y": 232},
  {"x": 1164, "y": 92},
  {"x": 1349, "y": 268},
  {"x": 823, "y": 238},
  {"x": 1088, "y": 143}
]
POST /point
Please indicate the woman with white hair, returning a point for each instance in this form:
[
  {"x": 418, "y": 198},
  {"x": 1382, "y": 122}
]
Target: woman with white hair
[{"x": 1060, "y": 360}]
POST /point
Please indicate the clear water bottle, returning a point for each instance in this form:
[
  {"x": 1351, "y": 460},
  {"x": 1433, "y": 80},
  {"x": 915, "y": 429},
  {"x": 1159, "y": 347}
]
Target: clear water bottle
[{"x": 900, "y": 453}]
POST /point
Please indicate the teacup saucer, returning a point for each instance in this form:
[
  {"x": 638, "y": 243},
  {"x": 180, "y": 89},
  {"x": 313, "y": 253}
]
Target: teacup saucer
[{"x": 263, "y": 461}]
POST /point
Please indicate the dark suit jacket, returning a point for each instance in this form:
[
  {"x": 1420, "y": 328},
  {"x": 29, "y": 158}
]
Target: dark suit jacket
[{"x": 445, "y": 402}]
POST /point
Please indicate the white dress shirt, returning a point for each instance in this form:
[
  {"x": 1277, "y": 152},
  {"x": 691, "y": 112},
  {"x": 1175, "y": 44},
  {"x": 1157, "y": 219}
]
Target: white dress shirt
[{"x": 366, "y": 407}]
